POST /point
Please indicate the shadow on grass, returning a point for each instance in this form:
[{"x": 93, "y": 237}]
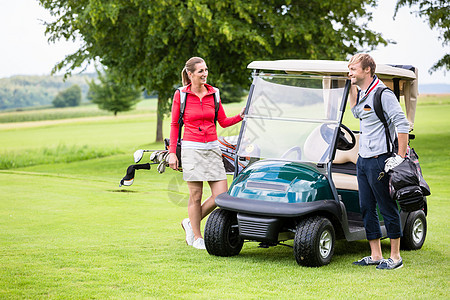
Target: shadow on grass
[
  {"x": 123, "y": 191},
  {"x": 281, "y": 255},
  {"x": 284, "y": 255}
]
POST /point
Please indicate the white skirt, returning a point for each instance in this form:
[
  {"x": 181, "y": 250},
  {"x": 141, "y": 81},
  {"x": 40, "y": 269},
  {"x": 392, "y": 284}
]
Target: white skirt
[{"x": 202, "y": 164}]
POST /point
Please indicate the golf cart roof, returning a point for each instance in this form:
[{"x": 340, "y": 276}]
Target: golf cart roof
[{"x": 328, "y": 67}]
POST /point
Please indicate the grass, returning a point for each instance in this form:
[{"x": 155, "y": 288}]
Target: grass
[
  {"x": 51, "y": 155},
  {"x": 68, "y": 231}
]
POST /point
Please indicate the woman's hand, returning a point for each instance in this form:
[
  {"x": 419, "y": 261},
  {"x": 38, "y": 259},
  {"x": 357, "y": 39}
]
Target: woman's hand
[
  {"x": 173, "y": 161},
  {"x": 242, "y": 113}
]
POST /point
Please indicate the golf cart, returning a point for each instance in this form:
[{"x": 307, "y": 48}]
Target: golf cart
[{"x": 301, "y": 181}]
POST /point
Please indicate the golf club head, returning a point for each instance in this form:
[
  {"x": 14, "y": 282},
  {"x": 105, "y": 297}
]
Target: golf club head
[
  {"x": 129, "y": 177},
  {"x": 160, "y": 156},
  {"x": 166, "y": 156},
  {"x": 126, "y": 182},
  {"x": 153, "y": 156},
  {"x": 138, "y": 155},
  {"x": 161, "y": 167}
]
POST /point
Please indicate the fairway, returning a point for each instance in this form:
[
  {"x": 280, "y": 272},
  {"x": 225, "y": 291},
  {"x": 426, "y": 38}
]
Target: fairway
[{"x": 68, "y": 231}]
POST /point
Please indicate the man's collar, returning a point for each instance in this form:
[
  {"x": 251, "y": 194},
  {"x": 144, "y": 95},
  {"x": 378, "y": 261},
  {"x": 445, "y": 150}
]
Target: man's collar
[
  {"x": 371, "y": 87},
  {"x": 371, "y": 84}
]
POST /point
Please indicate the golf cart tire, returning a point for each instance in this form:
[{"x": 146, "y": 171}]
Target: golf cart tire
[
  {"x": 222, "y": 234},
  {"x": 314, "y": 242},
  {"x": 415, "y": 231}
]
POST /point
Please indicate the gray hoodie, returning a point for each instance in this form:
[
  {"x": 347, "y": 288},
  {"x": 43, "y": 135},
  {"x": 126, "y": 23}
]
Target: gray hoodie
[{"x": 372, "y": 139}]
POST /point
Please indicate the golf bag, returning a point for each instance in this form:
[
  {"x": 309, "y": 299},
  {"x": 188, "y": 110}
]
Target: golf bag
[
  {"x": 407, "y": 185},
  {"x": 228, "y": 147}
]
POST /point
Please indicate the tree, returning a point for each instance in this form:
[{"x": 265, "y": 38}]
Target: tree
[
  {"x": 231, "y": 93},
  {"x": 437, "y": 13},
  {"x": 68, "y": 97},
  {"x": 148, "y": 42},
  {"x": 112, "y": 94}
]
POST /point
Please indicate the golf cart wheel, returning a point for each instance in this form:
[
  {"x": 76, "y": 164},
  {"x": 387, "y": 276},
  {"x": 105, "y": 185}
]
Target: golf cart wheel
[
  {"x": 314, "y": 242},
  {"x": 415, "y": 231},
  {"x": 222, "y": 234}
]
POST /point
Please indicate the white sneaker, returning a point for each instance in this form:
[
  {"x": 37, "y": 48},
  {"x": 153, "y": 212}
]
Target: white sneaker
[
  {"x": 186, "y": 224},
  {"x": 199, "y": 244}
]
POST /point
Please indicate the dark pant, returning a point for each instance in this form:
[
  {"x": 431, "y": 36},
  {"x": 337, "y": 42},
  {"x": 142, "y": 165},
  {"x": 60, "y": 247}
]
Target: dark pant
[{"x": 372, "y": 192}]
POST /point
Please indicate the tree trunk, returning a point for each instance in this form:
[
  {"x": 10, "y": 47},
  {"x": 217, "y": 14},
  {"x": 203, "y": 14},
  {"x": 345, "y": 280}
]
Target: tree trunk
[{"x": 159, "y": 119}]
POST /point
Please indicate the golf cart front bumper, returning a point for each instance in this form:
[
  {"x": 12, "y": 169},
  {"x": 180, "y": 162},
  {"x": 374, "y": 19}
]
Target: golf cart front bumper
[
  {"x": 276, "y": 209},
  {"x": 271, "y": 222}
]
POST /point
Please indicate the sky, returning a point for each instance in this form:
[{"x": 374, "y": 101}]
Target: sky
[{"x": 24, "y": 48}]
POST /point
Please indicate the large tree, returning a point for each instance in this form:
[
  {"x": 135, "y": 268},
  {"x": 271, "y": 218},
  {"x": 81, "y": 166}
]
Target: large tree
[
  {"x": 437, "y": 13},
  {"x": 149, "y": 41}
]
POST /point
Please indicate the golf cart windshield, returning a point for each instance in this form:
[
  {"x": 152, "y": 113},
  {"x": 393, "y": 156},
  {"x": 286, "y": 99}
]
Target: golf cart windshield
[{"x": 292, "y": 117}]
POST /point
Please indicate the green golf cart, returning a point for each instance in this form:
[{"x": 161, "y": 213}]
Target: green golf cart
[{"x": 301, "y": 181}]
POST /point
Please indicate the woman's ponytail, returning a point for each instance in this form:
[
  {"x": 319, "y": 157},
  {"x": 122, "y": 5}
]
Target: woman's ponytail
[{"x": 185, "y": 77}]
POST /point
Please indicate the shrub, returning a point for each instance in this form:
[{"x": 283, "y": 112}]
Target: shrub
[{"x": 68, "y": 97}]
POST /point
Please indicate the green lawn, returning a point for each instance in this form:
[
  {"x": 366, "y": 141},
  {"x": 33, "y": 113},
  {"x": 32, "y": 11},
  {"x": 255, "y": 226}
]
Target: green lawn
[{"x": 68, "y": 231}]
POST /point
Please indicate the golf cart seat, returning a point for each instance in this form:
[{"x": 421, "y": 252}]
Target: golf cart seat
[
  {"x": 351, "y": 155},
  {"x": 342, "y": 180},
  {"x": 344, "y": 164},
  {"x": 345, "y": 181}
]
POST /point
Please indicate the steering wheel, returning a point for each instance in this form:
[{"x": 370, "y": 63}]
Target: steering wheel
[
  {"x": 292, "y": 150},
  {"x": 342, "y": 142}
]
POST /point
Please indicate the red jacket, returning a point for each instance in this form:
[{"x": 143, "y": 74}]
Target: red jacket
[{"x": 198, "y": 118}]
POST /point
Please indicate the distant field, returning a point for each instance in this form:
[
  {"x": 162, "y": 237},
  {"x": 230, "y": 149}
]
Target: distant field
[
  {"x": 430, "y": 99},
  {"x": 67, "y": 230},
  {"x": 88, "y": 110}
]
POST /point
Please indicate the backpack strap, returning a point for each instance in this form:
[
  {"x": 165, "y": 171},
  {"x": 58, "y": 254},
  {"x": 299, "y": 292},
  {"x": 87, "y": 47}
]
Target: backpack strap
[
  {"x": 183, "y": 96},
  {"x": 378, "y": 107},
  {"x": 216, "y": 104}
]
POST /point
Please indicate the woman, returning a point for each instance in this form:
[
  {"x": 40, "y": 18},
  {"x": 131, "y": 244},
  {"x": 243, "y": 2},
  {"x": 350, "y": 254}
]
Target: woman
[{"x": 200, "y": 153}]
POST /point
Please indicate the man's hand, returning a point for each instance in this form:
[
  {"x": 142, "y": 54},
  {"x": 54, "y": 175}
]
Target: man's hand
[
  {"x": 352, "y": 96},
  {"x": 392, "y": 162}
]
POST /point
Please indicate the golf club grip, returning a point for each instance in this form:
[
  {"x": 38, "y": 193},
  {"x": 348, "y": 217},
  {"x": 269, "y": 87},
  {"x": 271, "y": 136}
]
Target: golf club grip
[{"x": 142, "y": 166}]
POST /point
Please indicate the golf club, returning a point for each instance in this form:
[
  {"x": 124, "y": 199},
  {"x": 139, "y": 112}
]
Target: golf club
[
  {"x": 139, "y": 153},
  {"x": 129, "y": 177}
]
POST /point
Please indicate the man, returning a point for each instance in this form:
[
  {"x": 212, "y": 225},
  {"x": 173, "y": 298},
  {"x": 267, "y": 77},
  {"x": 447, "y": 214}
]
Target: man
[{"x": 374, "y": 161}]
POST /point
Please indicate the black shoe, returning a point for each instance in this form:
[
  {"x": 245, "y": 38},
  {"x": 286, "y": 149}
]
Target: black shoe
[
  {"x": 389, "y": 264},
  {"x": 367, "y": 261}
]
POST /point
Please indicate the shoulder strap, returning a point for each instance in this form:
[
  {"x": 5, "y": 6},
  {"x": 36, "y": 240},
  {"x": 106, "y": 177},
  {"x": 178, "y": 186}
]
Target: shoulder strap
[
  {"x": 216, "y": 104},
  {"x": 183, "y": 96},
  {"x": 378, "y": 107}
]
